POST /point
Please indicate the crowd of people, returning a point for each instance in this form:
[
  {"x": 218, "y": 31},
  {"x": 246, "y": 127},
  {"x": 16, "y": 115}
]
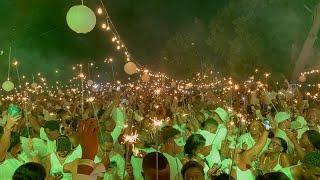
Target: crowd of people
[{"x": 166, "y": 133}]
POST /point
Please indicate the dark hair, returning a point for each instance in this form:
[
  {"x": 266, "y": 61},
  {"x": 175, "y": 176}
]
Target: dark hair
[
  {"x": 61, "y": 113},
  {"x": 273, "y": 176},
  {"x": 222, "y": 176},
  {"x": 189, "y": 165},
  {"x": 30, "y": 171},
  {"x": 193, "y": 143},
  {"x": 1, "y": 131},
  {"x": 64, "y": 143},
  {"x": 284, "y": 144},
  {"x": 100, "y": 113},
  {"x": 52, "y": 125},
  {"x": 312, "y": 159},
  {"x": 314, "y": 138},
  {"x": 14, "y": 140},
  {"x": 169, "y": 133},
  {"x": 149, "y": 161},
  {"x": 211, "y": 122}
]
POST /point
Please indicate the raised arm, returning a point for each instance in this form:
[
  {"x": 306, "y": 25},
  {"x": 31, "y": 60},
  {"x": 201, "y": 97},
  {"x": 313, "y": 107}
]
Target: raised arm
[
  {"x": 34, "y": 123},
  {"x": 256, "y": 149},
  {"x": 5, "y": 139}
]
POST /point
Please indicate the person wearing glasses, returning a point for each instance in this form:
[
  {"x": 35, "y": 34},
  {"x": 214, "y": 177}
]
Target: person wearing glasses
[
  {"x": 276, "y": 158},
  {"x": 63, "y": 155}
]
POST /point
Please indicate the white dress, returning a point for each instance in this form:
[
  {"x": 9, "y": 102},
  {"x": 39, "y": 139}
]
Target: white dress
[
  {"x": 57, "y": 167},
  {"x": 9, "y": 166}
]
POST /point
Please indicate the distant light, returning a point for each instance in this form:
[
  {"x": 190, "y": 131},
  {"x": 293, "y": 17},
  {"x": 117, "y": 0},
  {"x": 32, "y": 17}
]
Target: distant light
[
  {"x": 104, "y": 26},
  {"x": 99, "y": 11},
  {"x": 57, "y": 71}
]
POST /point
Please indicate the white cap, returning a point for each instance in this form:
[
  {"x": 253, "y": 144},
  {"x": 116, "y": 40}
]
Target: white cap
[{"x": 281, "y": 116}]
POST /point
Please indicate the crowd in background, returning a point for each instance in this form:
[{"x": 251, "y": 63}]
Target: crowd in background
[{"x": 169, "y": 134}]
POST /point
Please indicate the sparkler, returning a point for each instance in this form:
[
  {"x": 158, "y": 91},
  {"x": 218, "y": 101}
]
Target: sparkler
[{"x": 129, "y": 139}]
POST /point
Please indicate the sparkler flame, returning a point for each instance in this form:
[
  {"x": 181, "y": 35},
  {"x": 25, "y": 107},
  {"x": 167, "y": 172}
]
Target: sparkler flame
[
  {"x": 90, "y": 99},
  {"x": 131, "y": 138}
]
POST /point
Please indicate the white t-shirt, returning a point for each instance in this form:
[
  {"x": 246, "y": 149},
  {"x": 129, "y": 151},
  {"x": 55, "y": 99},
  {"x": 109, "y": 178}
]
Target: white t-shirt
[
  {"x": 38, "y": 145},
  {"x": 51, "y": 145},
  {"x": 175, "y": 167},
  {"x": 9, "y": 166}
]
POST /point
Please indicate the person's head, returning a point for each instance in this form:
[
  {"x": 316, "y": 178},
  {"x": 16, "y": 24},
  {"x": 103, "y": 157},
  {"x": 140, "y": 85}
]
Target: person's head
[
  {"x": 98, "y": 102},
  {"x": 273, "y": 176},
  {"x": 109, "y": 124},
  {"x": 310, "y": 138},
  {"x": 311, "y": 166},
  {"x": 255, "y": 127},
  {"x": 211, "y": 125},
  {"x": 173, "y": 140},
  {"x": 30, "y": 171},
  {"x": 15, "y": 144},
  {"x": 106, "y": 142},
  {"x": 200, "y": 117},
  {"x": 277, "y": 145},
  {"x": 220, "y": 114},
  {"x": 149, "y": 167},
  {"x": 64, "y": 145},
  {"x": 194, "y": 144},
  {"x": 64, "y": 115},
  {"x": 52, "y": 129},
  {"x": 192, "y": 170}
]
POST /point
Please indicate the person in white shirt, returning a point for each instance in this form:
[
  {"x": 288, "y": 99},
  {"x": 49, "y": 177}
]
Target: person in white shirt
[
  {"x": 117, "y": 162},
  {"x": 209, "y": 133},
  {"x": 248, "y": 140},
  {"x": 221, "y": 116},
  {"x": 49, "y": 132},
  {"x": 172, "y": 146},
  {"x": 283, "y": 120}
]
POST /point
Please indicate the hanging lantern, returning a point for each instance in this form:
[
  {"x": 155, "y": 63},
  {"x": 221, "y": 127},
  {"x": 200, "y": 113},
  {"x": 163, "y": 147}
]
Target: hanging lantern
[
  {"x": 130, "y": 68},
  {"x": 89, "y": 82},
  {"x": 34, "y": 85},
  {"x": 173, "y": 84},
  {"x": 7, "y": 86},
  {"x": 302, "y": 78},
  {"x": 81, "y": 19},
  {"x": 145, "y": 78}
]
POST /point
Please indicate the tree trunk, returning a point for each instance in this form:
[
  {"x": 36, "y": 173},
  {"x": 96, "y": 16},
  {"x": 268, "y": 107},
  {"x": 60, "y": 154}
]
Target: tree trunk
[{"x": 307, "y": 46}]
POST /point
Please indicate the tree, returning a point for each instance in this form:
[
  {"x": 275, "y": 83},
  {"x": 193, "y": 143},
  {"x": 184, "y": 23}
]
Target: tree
[
  {"x": 308, "y": 45},
  {"x": 250, "y": 34}
]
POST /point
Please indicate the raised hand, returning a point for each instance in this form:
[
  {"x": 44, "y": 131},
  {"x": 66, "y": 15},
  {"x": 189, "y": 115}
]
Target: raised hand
[
  {"x": 12, "y": 121},
  {"x": 88, "y": 137}
]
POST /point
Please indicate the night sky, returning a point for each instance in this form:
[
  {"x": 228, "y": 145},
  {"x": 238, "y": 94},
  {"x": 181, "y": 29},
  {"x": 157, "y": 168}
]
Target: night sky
[{"x": 41, "y": 41}]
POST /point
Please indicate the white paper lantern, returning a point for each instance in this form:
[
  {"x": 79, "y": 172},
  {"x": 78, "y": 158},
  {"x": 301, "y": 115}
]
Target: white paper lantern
[
  {"x": 7, "y": 86},
  {"x": 173, "y": 84},
  {"x": 34, "y": 85},
  {"x": 302, "y": 78},
  {"x": 145, "y": 78},
  {"x": 89, "y": 82},
  {"x": 81, "y": 19},
  {"x": 130, "y": 68}
]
